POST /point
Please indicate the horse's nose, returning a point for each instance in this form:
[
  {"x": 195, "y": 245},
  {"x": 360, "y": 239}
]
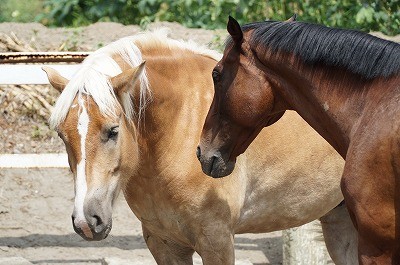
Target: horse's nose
[
  {"x": 81, "y": 228},
  {"x": 208, "y": 163},
  {"x": 198, "y": 152},
  {"x": 213, "y": 163},
  {"x": 97, "y": 224},
  {"x": 98, "y": 217}
]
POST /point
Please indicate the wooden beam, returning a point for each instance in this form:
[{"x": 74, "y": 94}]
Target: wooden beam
[{"x": 42, "y": 57}]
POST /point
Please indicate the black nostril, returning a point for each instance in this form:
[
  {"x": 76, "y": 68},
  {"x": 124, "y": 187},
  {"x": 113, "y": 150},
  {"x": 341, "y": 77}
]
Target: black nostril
[
  {"x": 96, "y": 224},
  {"x": 97, "y": 220},
  {"x": 198, "y": 152},
  {"x": 213, "y": 160}
]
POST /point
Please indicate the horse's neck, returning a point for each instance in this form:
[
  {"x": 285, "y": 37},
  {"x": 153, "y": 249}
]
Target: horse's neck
[
  {"x": 173, "y": 120},
  {"x": 330, "y": 100}
]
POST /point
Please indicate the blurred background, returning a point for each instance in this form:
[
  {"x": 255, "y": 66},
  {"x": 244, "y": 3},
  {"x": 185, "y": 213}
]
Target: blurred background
[{"x": 378, "y": 15}]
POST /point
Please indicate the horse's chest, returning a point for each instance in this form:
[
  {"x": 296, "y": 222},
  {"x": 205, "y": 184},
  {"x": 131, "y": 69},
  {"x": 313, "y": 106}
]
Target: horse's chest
[{"x": 153, "y": 210}]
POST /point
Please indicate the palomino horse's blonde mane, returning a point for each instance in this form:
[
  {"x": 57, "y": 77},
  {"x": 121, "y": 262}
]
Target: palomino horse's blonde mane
[{"x": 93, "y": 77}]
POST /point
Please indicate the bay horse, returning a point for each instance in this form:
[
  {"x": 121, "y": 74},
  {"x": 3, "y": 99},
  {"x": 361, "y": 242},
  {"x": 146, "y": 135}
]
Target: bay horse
[
  {"x": 345, "y": 84},
  {"x": 132, "y": 126}
]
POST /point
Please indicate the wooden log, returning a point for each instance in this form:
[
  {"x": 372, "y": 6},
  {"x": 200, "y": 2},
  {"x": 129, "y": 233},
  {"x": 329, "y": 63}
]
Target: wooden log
[{"x": 304, "y": 246}]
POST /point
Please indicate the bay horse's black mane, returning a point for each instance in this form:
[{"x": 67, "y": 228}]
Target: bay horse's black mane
[{"x": 358, "y": 52}]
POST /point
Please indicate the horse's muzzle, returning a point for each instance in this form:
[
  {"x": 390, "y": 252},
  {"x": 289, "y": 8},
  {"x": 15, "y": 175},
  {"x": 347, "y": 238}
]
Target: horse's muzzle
[
  {"x": 214, "y": 165},
  {"x": 94, "y": 230}
]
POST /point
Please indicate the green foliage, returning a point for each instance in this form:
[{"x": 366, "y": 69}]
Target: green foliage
[
  {"x": 80, "y": 12},
  {"x": 366, "y": 15}
]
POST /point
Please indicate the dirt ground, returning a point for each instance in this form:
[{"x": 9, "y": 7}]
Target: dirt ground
[
  {"x": 35, "y": 223},
  {"x": 36, "y": 204}
]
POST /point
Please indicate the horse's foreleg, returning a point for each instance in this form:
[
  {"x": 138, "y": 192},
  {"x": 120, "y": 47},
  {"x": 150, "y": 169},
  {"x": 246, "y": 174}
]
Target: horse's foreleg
[
  {"x": 370, "y": 185},
  {"x": 166, "y": 252},
  {"x": 340, "y": 236},
  {"x": 218, "y": 248}
]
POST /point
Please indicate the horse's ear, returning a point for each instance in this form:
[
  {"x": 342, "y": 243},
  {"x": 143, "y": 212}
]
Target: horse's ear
[
  {"x": 56, "y": 80},
  {"x": 125, "y": 80},
  {"x": 293, "y": 18},
  {"x": 235, "y": 30}
]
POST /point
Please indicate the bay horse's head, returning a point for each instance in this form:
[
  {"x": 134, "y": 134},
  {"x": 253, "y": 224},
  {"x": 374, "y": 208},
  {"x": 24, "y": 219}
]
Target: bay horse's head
[
  {"x": 94, "y": 118},
  {"x": 244, "y": 103}
]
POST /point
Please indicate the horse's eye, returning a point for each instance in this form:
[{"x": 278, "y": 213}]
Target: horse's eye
[
  {"x": 215, "y": 75},
  {"x": 113, "y": 132}
]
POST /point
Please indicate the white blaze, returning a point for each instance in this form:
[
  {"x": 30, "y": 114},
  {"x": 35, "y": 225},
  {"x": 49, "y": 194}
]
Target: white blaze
[{"x": 80, "y": 183}]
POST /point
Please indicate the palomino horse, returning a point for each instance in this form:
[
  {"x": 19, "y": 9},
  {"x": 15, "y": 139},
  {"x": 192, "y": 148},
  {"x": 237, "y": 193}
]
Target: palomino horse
[
  {"x": 141, "y": 138},
  {"x": 345, "y": 84}
]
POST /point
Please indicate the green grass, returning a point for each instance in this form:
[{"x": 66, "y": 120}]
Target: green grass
[{"x": 20, "y": 10}]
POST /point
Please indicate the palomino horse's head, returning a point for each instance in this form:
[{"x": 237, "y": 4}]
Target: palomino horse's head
[
  {"x": 243, "y": 104},
  {"x": 92, "y": 119}
]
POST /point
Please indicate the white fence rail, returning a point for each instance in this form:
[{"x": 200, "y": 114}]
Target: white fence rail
[{"x": 19, "y": 74}]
